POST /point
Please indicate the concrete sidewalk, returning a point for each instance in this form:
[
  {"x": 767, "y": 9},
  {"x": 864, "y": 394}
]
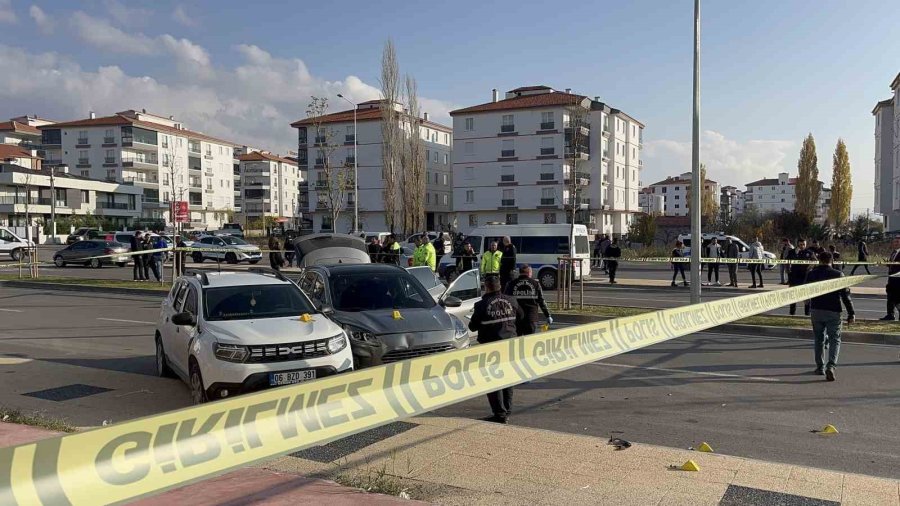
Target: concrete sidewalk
[
  {"x": 601, "y": 280},
  {"x": 460, "y": 462}
]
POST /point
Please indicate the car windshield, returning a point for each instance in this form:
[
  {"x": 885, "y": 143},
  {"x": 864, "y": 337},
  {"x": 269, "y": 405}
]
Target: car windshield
[
  {"x": 256, "y": 301},
  {"x": 425, "y": 276},
  {"x": 366, "y": 291},
  {"x": 231, "y": 240}
]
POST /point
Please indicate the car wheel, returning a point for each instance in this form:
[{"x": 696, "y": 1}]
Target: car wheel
[
  {"x": 198, "y": 392},
  {"x": 17, "y": 254},
  {"x": 547, "y": 278},
  {"x": 58, "y": 261},
  {"x": 197, "y": 257},
  {"x": 120, "y": 264},
  {"x": 231, "y": 258},
  {"x": 254, "y": 262},
  {"x": 96, "y": 263},
  {"x": 162, "y": 363}
]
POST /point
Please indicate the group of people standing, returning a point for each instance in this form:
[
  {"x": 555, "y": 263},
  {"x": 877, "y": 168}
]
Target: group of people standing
[
  {"x": 384, "y": 252},
  {"x": 145, "y": 263},
  {"x": 716, "y": 251}
]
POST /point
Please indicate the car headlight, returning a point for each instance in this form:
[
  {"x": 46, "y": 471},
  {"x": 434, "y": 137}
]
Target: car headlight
[
  {"x": 231, "y": 352},
  {"x": 358, "y": 334},
  {"x": 460, "y": 330},
  {"x": 337, "y": 343}
]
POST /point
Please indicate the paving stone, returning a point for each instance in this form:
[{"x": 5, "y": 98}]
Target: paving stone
[{"x": 747, "y": 496}]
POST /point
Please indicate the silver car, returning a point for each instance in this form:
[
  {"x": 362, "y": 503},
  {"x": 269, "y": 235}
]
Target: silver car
[
  {"x": 86, "y": 253},
  {"x": 230, "y": 249},
  {"x": 385, "y": 310}
]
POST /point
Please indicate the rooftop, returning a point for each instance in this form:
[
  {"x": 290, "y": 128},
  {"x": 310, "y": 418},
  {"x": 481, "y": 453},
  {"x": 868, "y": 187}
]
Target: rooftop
[
  {"x": 259, "y": 156},
  {"x": 13, "y": 151},
  {"x": 888, "y": 102},
  {"x": 122, "y": 120},
  {"x": 551, "y": 98},
  {"x": 15, "y": 126},
  {"x": 772, "y": 181},
  {"x": 368, "y": 113},
  {"x": 678, "y": 180}
]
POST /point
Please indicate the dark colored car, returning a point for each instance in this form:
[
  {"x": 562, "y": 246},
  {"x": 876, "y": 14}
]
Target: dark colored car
[
  {"x": 83, "y": 253},
  {"x": 83, "y": 234}
]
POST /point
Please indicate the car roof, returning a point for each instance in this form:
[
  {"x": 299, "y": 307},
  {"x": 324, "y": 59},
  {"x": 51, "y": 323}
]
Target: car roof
[{"x": 219, "y": 279}]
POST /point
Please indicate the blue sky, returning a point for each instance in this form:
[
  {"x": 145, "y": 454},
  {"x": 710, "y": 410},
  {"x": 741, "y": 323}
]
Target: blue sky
[{"x": 772, "y": 70}]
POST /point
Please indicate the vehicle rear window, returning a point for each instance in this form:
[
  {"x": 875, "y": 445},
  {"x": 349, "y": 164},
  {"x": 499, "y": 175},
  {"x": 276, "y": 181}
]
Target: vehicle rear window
[
  {"x": 581, "y": 245},
  {"x": 257, "y": 301}
]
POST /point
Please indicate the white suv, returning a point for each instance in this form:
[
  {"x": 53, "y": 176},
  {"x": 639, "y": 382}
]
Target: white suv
[
  {"x": 225, "y": 247},
  {"x": 227, "y": 333}
]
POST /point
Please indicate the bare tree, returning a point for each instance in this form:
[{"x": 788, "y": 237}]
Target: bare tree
[
  {"x": 173, "y": 171},
  {"x": 576, "y": 144},
  {"x": 335, "y": 180},
  {"x": 413, "y": 165},
  {"x": 392, "y": 148}
]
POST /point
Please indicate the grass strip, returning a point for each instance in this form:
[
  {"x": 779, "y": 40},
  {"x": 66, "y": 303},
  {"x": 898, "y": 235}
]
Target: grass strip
[{"x": 35, "y": 420}]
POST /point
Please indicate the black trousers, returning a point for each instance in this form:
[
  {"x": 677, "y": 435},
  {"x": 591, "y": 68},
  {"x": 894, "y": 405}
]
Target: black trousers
[
  {"x": 893, "y": 300},
  {"x": 866, "y": 267},
  {"x": 148, "y": 264},
  {"x": 612, "y": 266},
  {"x": 501, "y": 402},
  {"x": 732, "y": 274},
  {"x": 756, "y": 271},
  {"x": 154, "y": 264},
  {"x": 712, "y": 268},
  {"x": 138, "y": 269},
  {"x": 793, "y": 307},
  {"x": 679, "y": 267},
  {"x": 505, "y": 277}
]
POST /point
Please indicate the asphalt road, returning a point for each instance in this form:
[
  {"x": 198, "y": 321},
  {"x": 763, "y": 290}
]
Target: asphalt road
[{"x": 745, "y": 395}]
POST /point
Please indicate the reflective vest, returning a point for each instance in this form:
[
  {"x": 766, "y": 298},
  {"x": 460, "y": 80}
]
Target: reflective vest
[
  {"x": 430, "y": 256},
  {"x": 419, "y": 255},
  {"x": 490, "y": 262}
]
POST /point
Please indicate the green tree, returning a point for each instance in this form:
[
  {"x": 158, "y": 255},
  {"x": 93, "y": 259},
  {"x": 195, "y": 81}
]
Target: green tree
[
  {"x": 643, "y": 229},
  {"x": 807, "y": 187},
  {"x": 792, "y": 225},
  {"x": 841, "y": 187}
]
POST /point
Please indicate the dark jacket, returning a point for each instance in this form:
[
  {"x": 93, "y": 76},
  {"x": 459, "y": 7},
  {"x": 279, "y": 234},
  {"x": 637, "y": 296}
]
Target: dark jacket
[
  {"x": 731, "y": 250},
  {"x": 508, "y": 260},
  {"x": 829, "y": 301},
  {"x": 465, "y": 262},
  {"x": 495, "y": 317},
  {"x": 613, "y": 251},
  {"x": 528, "y": 294},
  {"x": 893, "y": 284},
  {"x": 374, "y": 251},
  {"x": 862, "y": 251},
  {"x": 797, "y": 272},
  {"x": 136, "y": 244},
  {"x": 678, "y": 253}
]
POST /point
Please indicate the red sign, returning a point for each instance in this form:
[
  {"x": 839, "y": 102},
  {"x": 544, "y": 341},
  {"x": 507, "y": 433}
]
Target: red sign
[{"x": 180, "y": 211}]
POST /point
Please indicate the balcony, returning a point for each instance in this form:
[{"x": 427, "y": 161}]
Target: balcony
[
  {"x": 507, "y": 154},
  {"x": 21, "y": 200},
  {"x": 82, "y": 143},
  {"x": 321, "y": 184},
  {"x": 121, "y": 206},
  {"x": 578, "y": 154},
  {"x": 83, "y": 162},
  {"x": 605, "y": 130},
  {"x": 321, "y": 205},
  {"x": 580, "y": 202},
  {"x": 581, "y": 129},
  {"x": 548, "y": 125},
  {"x": 507, "y": 129},
  {"x": 508, "y": 202},
  {"x": 548, "y": 201},
  {"x": 321, "y": 140},
  {"x": 350, "y": 160},
  {"x": 194, "y": 147},
  {"x": 208, "y": 156},
  {"x": 145, "y": 164},
  {"x": 349, "y": 139},
  {"x": 141, "y": 179},
  {"x": 581, "y": 179},
  {"x": 129, "y": 142}
]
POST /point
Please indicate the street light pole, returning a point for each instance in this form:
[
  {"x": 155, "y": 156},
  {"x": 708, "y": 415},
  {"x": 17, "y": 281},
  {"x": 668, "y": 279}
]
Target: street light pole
[
  {"x": 355, "y": 169},
  {"x": 696, "y": 183}
]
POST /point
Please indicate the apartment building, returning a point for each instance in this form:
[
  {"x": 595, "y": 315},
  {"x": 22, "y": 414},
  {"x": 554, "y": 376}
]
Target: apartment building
[
  {"x": 26, "y": 194},
  {"x": 155, "y": 153},
  {"x": 22, "y": 131},
  {"x": 675, "y": 190},
  {"x": 731, "y": 202},
  {"x": 338, "y": 137},
  {"x": 21, "y": 156},
  {"x": 887, "y": 158},
  {"x": 270, "y": 186},
  {"x": 520, "y": 159},
  {"x": 778, "y": 194},
  {"x": 651, "y": 203}
]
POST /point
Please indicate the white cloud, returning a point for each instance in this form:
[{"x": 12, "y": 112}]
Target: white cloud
[
  {"x": 127, "y": 15},
  {"x": 101, "y": 34},
  {"x": 728, "y": 161},
  {"x": 191, "y": 59},
  {"x": 7, "y": 14},
  {"x": 44, "y": 23},
  {"x": 253, "y": 103},
  {"x": 182, "y": 17}
]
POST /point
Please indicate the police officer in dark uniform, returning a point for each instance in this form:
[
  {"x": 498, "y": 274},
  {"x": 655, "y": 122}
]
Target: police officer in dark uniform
[
  {"x": 496, "y": 317},
  {"x": 797, "y": 272},
  {"x": 530, "y": 297}
]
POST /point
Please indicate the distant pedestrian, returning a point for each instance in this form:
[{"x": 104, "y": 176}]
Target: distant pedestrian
[
  {"x": 836, "y": 257},
  {"x": 826, "y": 316},
  {"x": 439, "y": 246},
  {"x": 862, "y": 255},
  {"x": 798, "y": 272},
  {"x": 596, "y": 260},
  {"x": 374, "y": 250},
  {"x": 288, "y": 253},
  {"x": 507, "y": 261},
  {"x": 148, "y": 257},
  {"x": 893, "y": 284},
  {"x": 496, "y": 317},
  {"x": 613, "y": 252},
  {"x": 276, "y": 260},
  {"x": 390, "y": 253},
  {"x": 732, "y": 252},
  {"x": 137, "y": 245},
  {"x": 816, "y": 247},
  {"x": 714, "y": 253},
  {"x": 756, "y": 269},
  {"x": 180, "y": 257},
  {"x": 786, "y": 247},
  {"x": 678, "y": 267},
  {"x": 604, "y": 244},
  {"x": 157, "y": 258}
]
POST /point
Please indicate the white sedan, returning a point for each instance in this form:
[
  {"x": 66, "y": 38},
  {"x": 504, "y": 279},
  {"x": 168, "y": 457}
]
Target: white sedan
[{"x": 227, "y": 248}]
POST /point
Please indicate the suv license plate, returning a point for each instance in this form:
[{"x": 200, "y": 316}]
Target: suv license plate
[{"x": 291, "y": 377}]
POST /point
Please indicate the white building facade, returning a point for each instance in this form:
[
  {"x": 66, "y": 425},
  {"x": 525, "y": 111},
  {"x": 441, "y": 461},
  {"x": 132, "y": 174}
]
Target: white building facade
[
  {"x": 887, "y": 158},
  {"x": 514, "y": 161},
  {"x": 339, "y": 128},
  {"x": 779, "y": 194},
  {"x": 731, "y": 202},
  {"x": 157, "y": 154},
  {"x": 270, "y": 186},
  {"x": 651, "y": 203},
  {"x": 675, "y": 190}
]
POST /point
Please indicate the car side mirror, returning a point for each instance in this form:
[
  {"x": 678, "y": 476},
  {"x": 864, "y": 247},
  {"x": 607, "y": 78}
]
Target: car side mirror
[
  {"x": 186, "y": 318},
  {"x": 451, "y": 301},
  {"x": 326, "y": 310}
]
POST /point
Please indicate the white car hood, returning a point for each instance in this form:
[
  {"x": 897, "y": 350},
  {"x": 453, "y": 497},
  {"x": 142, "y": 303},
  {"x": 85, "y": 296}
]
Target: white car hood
[
  {"x": 273, "y": 330},
  {"x": 244, "y": 247}
]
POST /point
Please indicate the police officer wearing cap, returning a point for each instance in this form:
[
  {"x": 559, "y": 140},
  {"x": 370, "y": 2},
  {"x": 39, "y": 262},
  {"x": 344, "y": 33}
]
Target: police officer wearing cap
[
  {"x": 497, "y": 317},
  {"x": 530, "y": 297}
]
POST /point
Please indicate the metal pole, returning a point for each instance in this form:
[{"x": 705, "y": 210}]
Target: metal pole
[
  {"x": 355, "y": 175},
  {"x": 53, "y": 204},
  {"x": 696, "y": 183}
]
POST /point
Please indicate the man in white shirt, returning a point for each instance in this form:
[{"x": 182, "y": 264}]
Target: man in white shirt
[{"x": 893, "y": 285}]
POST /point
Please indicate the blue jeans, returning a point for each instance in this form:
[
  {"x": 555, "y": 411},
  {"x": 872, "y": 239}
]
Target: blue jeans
[{"x": 826, "y": 324}]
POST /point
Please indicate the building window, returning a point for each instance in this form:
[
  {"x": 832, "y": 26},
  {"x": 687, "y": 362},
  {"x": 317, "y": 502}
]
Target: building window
[
  {"x": 427, "y": 155},
  {"x": 470, "y": 172},
  {"x": 549, "y": 218},
  {"x": 165, "y": 141},
  {"x": 508, "y": 149},
  {"x": 427, "y": 198},
  {"x": 547, "y": 176},
  {"x": 473, "y": 220},
  {"x": 508, "y": 124},
  {"x": 83, "y": 157},
  {"x": 82, "y": 137},
  {"x": 436, "y": 177},
  {"x": 435, "y": 159},
  {"x": 445, "y": 199},
  {"x": 87, "y": 173},
  {"x": 470, "y": 148},
  {"x": 85, "y": 197},
  {"x": 110, "y": 156},
  {"x": 108, "y": 136},
  {"x": 350, "y": 135},
  {"x": 548, "y": 197},
  {"x": 470, "y": 196},
  {"x": 547, "y": 146},
  {"x": 677, "y": 206},
  {"x": 470, "y": 125},
  {"x": 512, "y": 219},
  {"x": 547, "y": 121},
  {"x": 507, "y": 173},
  {"x": 445, "y": 179},
  {"x": 508, "y": 199},
  {"x": 677, "y": 197},
  {"x": 446, "y": 158}
]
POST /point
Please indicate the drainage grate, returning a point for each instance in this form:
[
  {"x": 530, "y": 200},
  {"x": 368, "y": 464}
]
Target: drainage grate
[
  {"x": 745, "y": 496},
  {"x": 350, "y": 444},
  {"x": 67, "y": 392}
]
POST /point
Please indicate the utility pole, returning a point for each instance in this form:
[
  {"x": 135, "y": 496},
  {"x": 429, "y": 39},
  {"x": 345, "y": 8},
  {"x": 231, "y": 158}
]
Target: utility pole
[{"x": 696, "y": 183}]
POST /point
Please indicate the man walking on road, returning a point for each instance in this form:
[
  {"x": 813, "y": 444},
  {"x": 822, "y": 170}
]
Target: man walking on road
[
  {"x": 137, "y": 245},
  {"x": 786, "y": 248},
  {"x": 528, "y": 294},
  {"x": 732, "y": 251},
  {"x": 862, "y": 255},
  {"x": 893, "y": 284},
  {"x": 507, "y": 262},
  {"x": 826, "y": 316},
  {"x": 714, "y": 251},
  {"x": 496, "y": 317},
  {"x": 613, "y": 252},
  {"x": 678, "y": 267},
  {"x": 798, "y": 272},
  {"x": 756, "y": 269}
]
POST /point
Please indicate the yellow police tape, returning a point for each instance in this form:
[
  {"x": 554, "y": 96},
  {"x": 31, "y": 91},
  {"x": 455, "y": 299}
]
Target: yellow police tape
[{"x": 144, "y": 456}]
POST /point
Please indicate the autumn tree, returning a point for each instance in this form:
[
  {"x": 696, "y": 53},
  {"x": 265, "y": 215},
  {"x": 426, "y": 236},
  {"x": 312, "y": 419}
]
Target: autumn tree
[
  {"x": 643, "y": 229},
  {"x": 334, "y": 179},
  {"x": 709, "y": 201},
  {"x": 807, "y": 186},
  {"x": 413, "y": 157},
  {"x": 841, "y": 187},
  {"x": 392, "y": 139}
]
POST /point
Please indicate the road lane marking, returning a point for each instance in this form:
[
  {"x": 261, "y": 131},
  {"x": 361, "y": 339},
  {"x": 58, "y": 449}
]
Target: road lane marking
[
  {"x": 126, "y": 321},
  {"x": 687, "y": 371},
  {"x": 11, "y": 310}
]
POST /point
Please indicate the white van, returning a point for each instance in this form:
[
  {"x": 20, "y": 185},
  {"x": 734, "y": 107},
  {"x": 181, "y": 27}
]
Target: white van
[
  {"x": 539, "y": 246},
  {"x": 743, "y": 248},
  {"x": 13, "y": 245}
]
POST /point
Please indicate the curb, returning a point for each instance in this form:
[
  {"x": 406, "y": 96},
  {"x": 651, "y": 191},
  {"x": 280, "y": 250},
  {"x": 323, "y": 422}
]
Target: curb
[
  {"x": 758, "y": 330},
  {"x": 82, "y": 288},
  {"x": 713, "y": 289}
]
